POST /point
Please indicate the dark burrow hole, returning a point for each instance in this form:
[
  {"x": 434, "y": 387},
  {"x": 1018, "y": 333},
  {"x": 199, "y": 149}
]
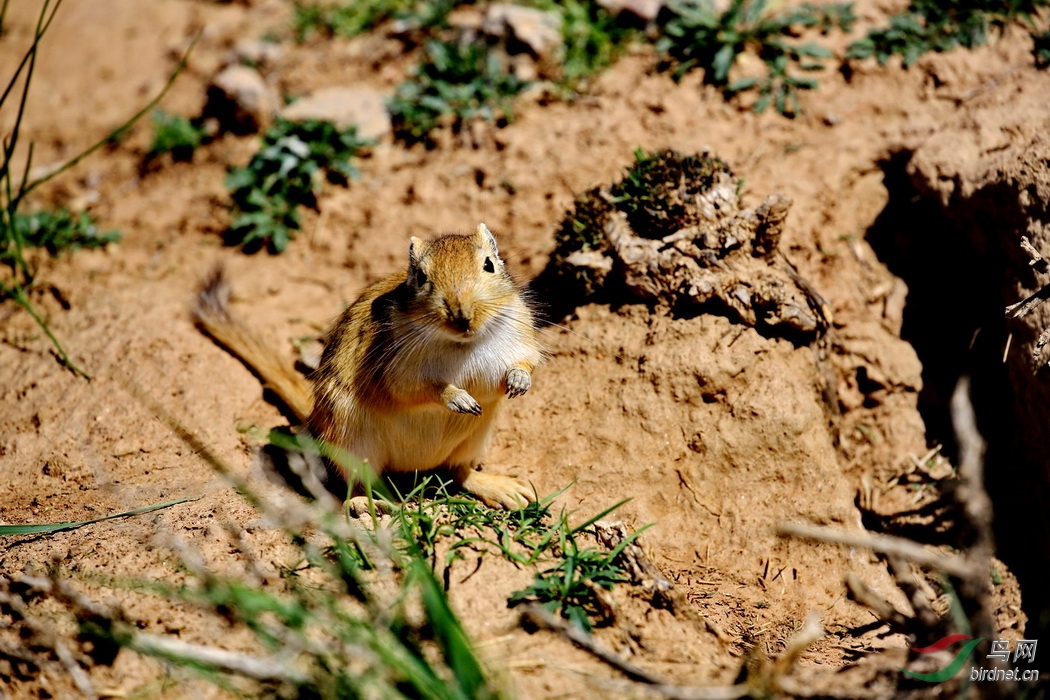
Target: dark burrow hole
[
  {"x": 956, "y": 268},
  {"x": 954, "y": 313}
]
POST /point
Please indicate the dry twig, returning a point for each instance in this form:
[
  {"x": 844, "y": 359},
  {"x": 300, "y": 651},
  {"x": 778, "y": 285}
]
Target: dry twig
[
  {"x": 536, "y": 617},
  {"x": 1022, "y": 308},
  {"x": 769, "y": 679},
  {"x": 886, "y": 544},
  {"x": 882, "y": 608},
  {"x": 642, "y": 570},
  {"x": 259, "y": 668}
]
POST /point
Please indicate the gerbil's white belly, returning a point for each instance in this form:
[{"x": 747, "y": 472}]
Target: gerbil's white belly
[{"x": 423, "y": 438}]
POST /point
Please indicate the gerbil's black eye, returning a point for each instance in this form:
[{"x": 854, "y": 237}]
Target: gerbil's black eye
[
  {"x": 489, "y": 265},
  {"x": 419, "y": 278}
]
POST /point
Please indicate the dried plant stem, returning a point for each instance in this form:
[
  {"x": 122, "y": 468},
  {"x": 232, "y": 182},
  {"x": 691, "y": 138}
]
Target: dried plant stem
[
  {"x": 259, "y": 668},
  {"x": 535, "y": 616},
  {"x": 886, "y": 544}
]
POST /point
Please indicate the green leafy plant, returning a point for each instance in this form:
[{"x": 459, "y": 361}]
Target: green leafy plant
[
  {"x": 283, "y": 175},
  {"x": 59, "y": 231},
  {"x": 456, "y": 83},
  {"x": 929, "y": 25},
  {"x": 695, "y": 34},
  {"x": 174, "y": 134},
  {"x": 47, "y": 229}
]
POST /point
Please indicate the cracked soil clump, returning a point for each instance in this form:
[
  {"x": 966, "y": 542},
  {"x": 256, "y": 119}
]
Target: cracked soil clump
[{"x": 673, "y": 232}]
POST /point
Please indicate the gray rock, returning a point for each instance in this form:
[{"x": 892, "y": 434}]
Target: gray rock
[
  {"x": 362, "y": 107},
  {"x": 241, "y": 100},
  {"x": 539, "y": 31},
  {"x": 255, "y": 52}
]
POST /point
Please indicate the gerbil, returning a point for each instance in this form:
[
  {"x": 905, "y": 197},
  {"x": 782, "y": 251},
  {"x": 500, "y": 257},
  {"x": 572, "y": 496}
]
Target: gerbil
[{"x": 414, "y": 372}]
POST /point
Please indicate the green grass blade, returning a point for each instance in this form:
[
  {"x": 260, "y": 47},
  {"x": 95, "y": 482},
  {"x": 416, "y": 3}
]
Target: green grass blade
[
  {"x": 590, "y": 521},
  {"x": 48, "y": 528},
  {"x": 17, "y": 293},
  {"x": 455, "y": 644},
  {"x": 29, "y": 62}
]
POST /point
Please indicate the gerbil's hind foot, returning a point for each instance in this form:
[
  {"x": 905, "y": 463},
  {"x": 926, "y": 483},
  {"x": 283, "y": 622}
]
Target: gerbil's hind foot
[
  {"x": 358, "y": 507},
  {"x": 494, "y": 490}
]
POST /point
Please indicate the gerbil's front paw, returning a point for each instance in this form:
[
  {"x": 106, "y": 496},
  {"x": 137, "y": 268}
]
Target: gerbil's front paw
[
  {"x": 462, "y": 402},
  {"x": 497, "y": 491},
  {"x": 518, "y": 382}
]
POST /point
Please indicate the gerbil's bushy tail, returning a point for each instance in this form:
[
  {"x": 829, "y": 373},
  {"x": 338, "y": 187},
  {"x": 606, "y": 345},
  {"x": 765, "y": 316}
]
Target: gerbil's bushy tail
[{"x": 212, "y": 313}]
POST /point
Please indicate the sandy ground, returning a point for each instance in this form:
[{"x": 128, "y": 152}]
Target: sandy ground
[{"x": 714, "y": 431}]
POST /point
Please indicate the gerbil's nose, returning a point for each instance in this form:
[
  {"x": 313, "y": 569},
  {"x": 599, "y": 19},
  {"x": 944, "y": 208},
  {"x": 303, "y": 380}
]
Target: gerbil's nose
[{"x": 458, "y": 319}]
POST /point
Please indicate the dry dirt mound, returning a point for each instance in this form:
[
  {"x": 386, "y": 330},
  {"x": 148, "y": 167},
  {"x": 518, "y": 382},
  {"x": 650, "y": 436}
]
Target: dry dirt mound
[
  {"x": 716, "y": 430},
  {"x": 986, "y": 171}
]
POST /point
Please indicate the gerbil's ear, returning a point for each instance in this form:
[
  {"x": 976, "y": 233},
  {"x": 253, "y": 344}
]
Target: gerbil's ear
[
  {"x": 485, "y": 237},
  {"x": 415, "y": 250},
  {"x": 414, "y": 246},
  {"x": 416, "y": 277}
]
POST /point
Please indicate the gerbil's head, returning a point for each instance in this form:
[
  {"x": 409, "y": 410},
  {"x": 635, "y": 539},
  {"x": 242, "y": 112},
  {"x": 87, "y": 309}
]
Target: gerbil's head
[{"x": 458, "y": 283}]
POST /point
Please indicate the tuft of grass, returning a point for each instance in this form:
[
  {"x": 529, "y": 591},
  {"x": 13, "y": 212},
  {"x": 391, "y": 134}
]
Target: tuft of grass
[
  {"x": 576, "y": 576},
  {"x": 575, "y": 584},
  {"x": 929, "y": 25},
  {"x": 174, "y": 134},
  {"x": 328, "y": 629},
  {"x": 430, "y": 515},
  {"x": 457, "y": 82},
  {"x": 696, "y": 34},
  {"x": 657, "y": 195},
  {"x": 584, "y": 227},
  {"x": 357, "y": 611},
  {"x": 657, "y": 192},
  {"x": 284, "y": 175}
]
